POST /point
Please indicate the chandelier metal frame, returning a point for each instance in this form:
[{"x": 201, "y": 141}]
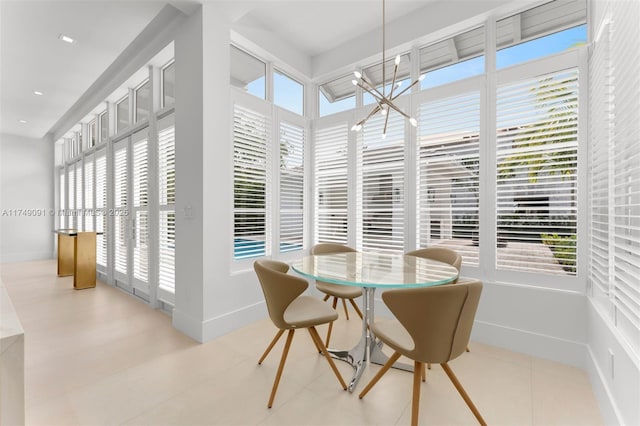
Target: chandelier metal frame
[{"x": 383, "y": 100}]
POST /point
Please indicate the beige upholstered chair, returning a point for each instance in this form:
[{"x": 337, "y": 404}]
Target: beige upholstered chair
[
  {"x": 433, "y": 325},
  {"x": 441, "y": 254},
  {"x": 289, "y": 311},
  {"x": 337, "y": 291}
]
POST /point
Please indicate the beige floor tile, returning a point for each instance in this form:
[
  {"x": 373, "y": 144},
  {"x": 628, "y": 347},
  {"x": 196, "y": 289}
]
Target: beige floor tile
[{"x": 102, "y": 357}]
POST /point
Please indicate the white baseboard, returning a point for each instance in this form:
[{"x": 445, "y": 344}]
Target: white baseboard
[
  {"x": 25, "y": 257},
  {"x": 538, "y": 345},
  {"x": 230, "y": 321},
  {"x": 606, "y": 402},
  {"x": 203, "y": 331}
]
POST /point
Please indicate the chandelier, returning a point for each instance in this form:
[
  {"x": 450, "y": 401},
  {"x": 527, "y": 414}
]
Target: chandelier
[{"x": 383, "y": 99}]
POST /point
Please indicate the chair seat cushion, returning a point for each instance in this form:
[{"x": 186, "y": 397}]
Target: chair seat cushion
[
  {"x": 339, "y": 290},
  {"x": 394, "y": 335},
  {"x": 306, "y": 311}
]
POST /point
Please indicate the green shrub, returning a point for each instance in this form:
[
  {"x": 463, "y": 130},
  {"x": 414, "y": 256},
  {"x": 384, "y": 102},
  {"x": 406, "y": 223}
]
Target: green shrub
[{"x": 563, "y": 248}]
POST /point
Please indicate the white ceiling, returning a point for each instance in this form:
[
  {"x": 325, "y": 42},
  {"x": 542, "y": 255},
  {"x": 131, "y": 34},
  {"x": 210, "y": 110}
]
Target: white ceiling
[{"x": 33, "y": 58}]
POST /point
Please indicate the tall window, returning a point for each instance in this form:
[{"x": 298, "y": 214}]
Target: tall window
[
  {"x": 89, "y": 211},
  {"x": 93, "y": 133},
  {"x": 121, "y": 233},
  {"x": 168, "y": 84},
  {"x": 337, "y": 95},
  {"x": 101, "y": 206},
  {"x": 292, "y": 199},
  {"x": 78, "y": 214},
  {"x": 288, "y": 93},
  {"x": 103, "y": 124},
  {"x": 248, "y": 73},
  {"x": 250, "y": 179},
  {"x": 62, "y": 200},
  {"x": 167, "y": 200},
  {"x": 122, "y": 114},
  {"x": 331, "y": 184},
  {"x": 537, "y": 148},
  {"x": 550, "y": 28},
  {"x": 140, "y": 207},
  {"x": 381, "y": 185},
  {"x": 615, "y": 171},
  {"x": 448, "y": 174},
  {"x": 143, "y": 101}
]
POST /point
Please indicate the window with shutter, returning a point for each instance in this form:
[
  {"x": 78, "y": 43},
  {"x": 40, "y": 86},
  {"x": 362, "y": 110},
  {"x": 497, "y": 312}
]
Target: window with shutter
[
  {"x": 448, "y": 174},
  {"x": 537, "y": 148},
  {"x": 140, "y": 208},
  {"x": 625, "y": 176},
  {"x": 167, "y": 213},
  {"x": 120, "y": 204},
  {"x": 101, "y": 207},
  {"x": 250, "y": 177},
  {"x": 71, "y": 195},
  {"x": 600, "y": 166},
  {"x": 292, "y": 141},
  {"x": 62, "y": 200},
  {"x": 78, "y": 213},
  {"x": 380, "y": 177},
  {"x": 89, "y": 212},
  {"x": 331, "y": 184}
]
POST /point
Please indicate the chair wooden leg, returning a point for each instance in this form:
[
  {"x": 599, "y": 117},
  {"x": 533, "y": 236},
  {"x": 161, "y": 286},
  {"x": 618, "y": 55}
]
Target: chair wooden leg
[
  {"x": 344, "y": 305},
  {"x": 380, "y": 373},
  {"x": 326, "y": 343},
  {"x": 271, "y": 345},
  {"x": 355, "y": 306},
  {"x": 424, "y": 373},
  {"x": 326, "y": 297},
  {"x": 415, "y": 403},
  {"x": 285, "y": 352},
  {"x": 316, "y": 337},
  {"x": 429, "y": 366},
  {"x": 463, "y": 393},
  {"x": 468, "y": 349}
]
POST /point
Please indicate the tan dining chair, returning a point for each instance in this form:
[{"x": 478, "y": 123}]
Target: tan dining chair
[
  {"x": 290, "y": 311},
  {"x": 337, "y": 291},
  {"x": 432, "y": 325},
  {"x": 441, "y": 254}
]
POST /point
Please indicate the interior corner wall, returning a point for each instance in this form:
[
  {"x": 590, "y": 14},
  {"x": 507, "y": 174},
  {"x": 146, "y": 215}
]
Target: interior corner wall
[{"x": 26, "y": 198}]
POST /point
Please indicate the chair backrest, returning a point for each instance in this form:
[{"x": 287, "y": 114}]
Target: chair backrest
[
  {"x": 327, "y": 248},
  {"x": 279, "y": 288},
  {"x": 439, "y": 319},
  {"x": 441, "y": 254}
]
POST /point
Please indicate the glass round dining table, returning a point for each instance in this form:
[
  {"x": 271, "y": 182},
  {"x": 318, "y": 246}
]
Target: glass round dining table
[{"x": 371, "y": 271}]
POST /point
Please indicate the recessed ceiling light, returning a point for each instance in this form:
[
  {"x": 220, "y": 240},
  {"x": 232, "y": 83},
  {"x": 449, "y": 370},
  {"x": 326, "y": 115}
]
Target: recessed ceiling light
[
  {"x": 66, "y": 38},
  {"x": 23, "y": 121},
  {"x": 37, "y": 92}
]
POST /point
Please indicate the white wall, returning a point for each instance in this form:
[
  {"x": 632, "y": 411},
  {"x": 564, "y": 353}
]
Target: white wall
[{"x": 26, "y": 182}]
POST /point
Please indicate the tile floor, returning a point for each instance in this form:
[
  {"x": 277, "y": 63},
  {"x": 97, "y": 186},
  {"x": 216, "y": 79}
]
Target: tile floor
[{"x": 101, "y": 357}]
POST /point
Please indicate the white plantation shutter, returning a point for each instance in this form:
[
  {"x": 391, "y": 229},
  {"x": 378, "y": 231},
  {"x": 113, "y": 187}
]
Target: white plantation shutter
[
  {"x": 78, "y": 214},
  {"x": 89, "y": 211},
  {"x": 331, "y": 184},
  {"x": 250, "y": 178},
  {"x": 140, "y": 208},
  {"x": 292, "y": 140},
  {"x": 600, "y": 165},
  {"x": 448, "y": 174},
  {"x": 167, "y": 216},
  {"x": 537, "y": 147},
  {"x": 120, "y": 204},
  {"x": 71, "y": 195},
  {"x": 625, "y": 195},
  {"x": 380, "y": 180},
  {"x": 62, "y": 200},
  {"x": 101, "y": 204}
]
